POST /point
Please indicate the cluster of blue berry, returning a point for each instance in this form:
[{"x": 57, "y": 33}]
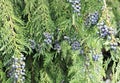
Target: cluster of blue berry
[
  {"x": 76, "y": 5},
  {"x": 32, "y": 44},
  {"x": 48, "y": 38},
  {"x": 17, "y": 70},
  {"x": 95, "y": 57},
  {"x": 92, "y": 19},
  {"x": 75, "y": 45},
  {"x": 113, "y": 45},
  {"x": 94, "y": 54},
  {"x": 105, "y": 31},
  {"x": 57, "y": 46}
]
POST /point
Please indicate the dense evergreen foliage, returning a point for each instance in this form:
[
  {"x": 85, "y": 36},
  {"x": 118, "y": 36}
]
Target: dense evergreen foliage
[{"x": 59, "y": 41}]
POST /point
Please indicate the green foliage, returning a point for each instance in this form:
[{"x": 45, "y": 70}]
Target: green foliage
[{"x": 23, "y": 24}]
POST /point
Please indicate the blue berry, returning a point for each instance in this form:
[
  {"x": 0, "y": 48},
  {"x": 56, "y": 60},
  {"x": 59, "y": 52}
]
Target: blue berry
[
  {"x": 48, "y": 41},
  {"x": 95, "y": 57},
  {"x": 92, "y": 19},
  {"x": 32, "y": 44},
  {"x": 47, "y": 35},
  {"x": 17, "y": 70},
  {"x": 48, "y": 38},
  {"x": 75, "y": 45},
  {"x": 113, "y": 45},
  {"x": 57, "y": 47},
  {"x": 76, "y": 5},
  {"x": 105, "y": 31}
]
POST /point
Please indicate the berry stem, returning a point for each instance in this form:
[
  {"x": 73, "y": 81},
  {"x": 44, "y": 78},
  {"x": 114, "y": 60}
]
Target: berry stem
[
  {"x": 73, "y": 19},
  {"x": 73, "y": 22},
  {"x": 105, "y": 11}
]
